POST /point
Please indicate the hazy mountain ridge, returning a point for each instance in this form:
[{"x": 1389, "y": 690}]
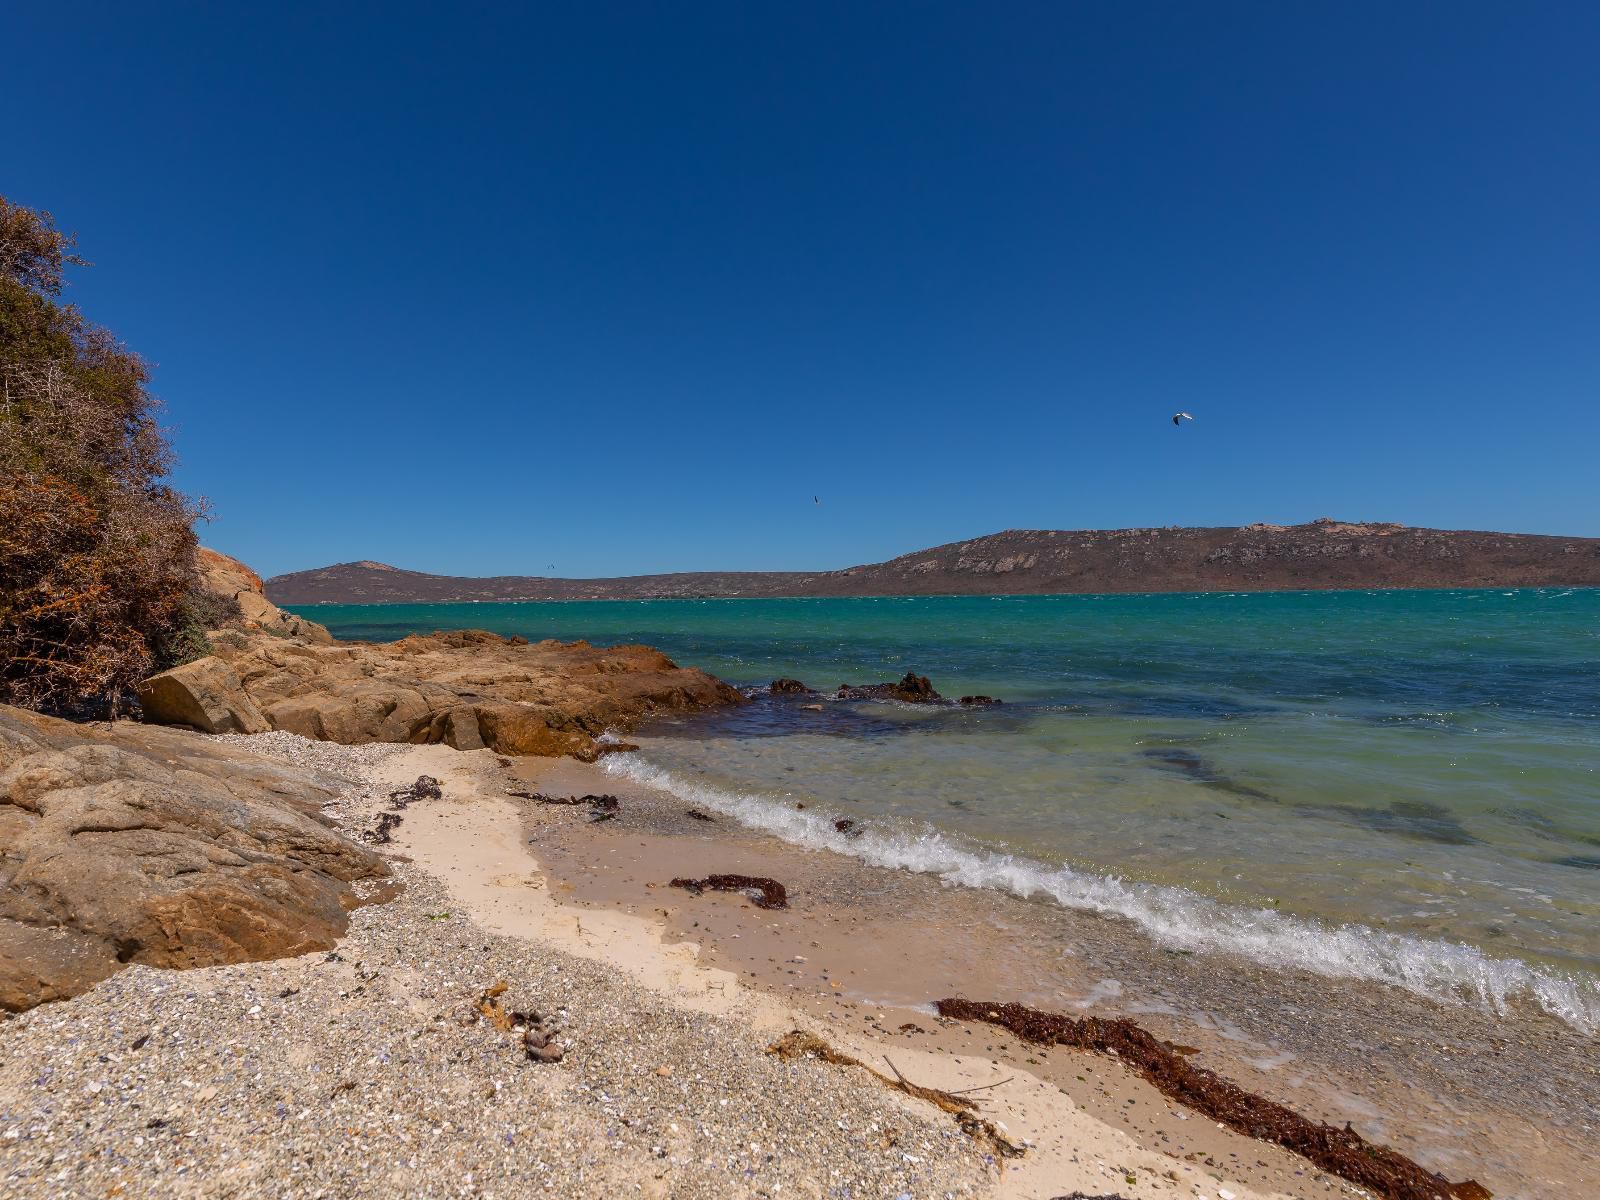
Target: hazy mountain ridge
[{"x": 1318, "y": 555}]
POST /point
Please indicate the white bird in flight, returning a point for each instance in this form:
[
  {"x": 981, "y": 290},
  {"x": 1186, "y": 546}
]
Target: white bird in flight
[{"x": 1180, "y": 418}]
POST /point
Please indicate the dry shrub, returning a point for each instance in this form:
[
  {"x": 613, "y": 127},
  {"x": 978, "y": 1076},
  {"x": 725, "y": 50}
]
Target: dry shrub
[{"x": 98, "y": 577}]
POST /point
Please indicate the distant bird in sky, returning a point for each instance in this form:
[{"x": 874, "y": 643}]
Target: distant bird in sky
[
  {"x": 1180, "y": 418},
  {"x": 816, "y": 500}
]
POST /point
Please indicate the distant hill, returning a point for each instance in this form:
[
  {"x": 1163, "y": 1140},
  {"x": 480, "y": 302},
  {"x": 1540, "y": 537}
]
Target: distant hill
[{"x": 1322, "y": 554}]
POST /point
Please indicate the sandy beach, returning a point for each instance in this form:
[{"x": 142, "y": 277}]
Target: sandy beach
[
  {"x": 382, "y": 1065},
  {"x": 369, "y": 1070}
]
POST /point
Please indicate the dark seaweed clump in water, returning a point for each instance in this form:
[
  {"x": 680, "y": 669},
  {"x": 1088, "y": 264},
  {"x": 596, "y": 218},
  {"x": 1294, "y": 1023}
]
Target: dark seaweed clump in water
[
  {"x": 1341, "y": 1151},
  {"x": 1584, "y": 862},
  {"x": 1407, "y": 818},
  {"x": 1189, "y": 764}
]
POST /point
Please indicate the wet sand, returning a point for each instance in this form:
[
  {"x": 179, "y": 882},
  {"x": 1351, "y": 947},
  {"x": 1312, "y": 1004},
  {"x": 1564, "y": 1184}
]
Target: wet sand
[{"x": 1509, "y": 1100}]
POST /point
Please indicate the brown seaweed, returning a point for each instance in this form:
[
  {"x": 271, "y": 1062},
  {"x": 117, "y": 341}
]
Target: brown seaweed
[
  {"x": 763, "y": 892},
  {"x": 1341, "y": 1152},
  {"x": 425, "y": 788},
  {"x": 384, "y": 832}
]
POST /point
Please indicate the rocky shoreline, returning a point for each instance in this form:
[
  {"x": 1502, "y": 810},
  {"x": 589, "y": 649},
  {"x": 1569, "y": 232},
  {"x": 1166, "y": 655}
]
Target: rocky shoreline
[
  {"x": 340, "y": 865},
  {"x": 371, "y": 1069}
]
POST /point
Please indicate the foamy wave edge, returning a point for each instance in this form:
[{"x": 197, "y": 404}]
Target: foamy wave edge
[{"x": 1173, "y": 917}]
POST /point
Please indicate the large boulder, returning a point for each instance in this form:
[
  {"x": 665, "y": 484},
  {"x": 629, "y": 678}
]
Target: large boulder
[
  {"x": 136, "y": 844},
  {"x": 205, "y": 694}
]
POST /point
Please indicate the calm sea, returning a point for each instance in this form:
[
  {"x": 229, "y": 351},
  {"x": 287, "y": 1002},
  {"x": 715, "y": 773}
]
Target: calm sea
[{"x": 1397, "y": 786}]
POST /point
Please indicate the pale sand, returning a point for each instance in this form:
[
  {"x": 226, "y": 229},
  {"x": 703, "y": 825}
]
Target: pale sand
[
  {"x": 473, "y": 841},
  {"x": 1507, "y": 1101}
]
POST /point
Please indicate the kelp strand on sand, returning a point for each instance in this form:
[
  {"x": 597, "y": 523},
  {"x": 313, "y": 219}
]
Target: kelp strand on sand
[
  {"x": 1341, "y": 1152},
  {"x": 601, "y": 808},
  {"x": 425, "y": 788},
  {"x": 798, "y": 1043},
  {"x": 763, "y": 892}
]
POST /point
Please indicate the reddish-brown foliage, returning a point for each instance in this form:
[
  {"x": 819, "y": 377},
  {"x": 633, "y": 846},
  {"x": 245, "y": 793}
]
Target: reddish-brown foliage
[{"x": 97, "y": 554}]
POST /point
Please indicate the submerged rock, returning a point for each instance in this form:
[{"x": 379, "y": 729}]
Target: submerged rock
[{"x": 912, "y": 689}]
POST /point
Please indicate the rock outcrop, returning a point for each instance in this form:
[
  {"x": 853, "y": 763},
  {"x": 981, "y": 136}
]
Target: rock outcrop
[
  {"x": 130, "y": 843},
  {"x": 913, "y": 689},
  {"x": 230, "y": 578},
  {"x": 467, "y": 689}
]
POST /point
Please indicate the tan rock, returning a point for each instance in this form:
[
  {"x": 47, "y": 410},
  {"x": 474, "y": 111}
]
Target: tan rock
[
  {"x": 231, "y": 578},
  {"x": 139, "y": 844},
  {"x": 205, "y": 694},
  {"x": 466, "y": 688}
]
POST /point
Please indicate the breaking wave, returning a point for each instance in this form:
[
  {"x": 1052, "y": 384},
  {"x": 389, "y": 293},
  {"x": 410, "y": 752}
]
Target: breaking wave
[{"x": 1174, "y": 917}]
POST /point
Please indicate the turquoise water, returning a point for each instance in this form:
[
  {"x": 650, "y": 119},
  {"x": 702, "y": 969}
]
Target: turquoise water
[{"x": 1402, "y": 786}]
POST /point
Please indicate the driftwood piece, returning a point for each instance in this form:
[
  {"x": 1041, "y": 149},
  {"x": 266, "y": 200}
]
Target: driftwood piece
[
  {"x": 799, "y": 1043},
  {"x": 1341, "y": 1152}
]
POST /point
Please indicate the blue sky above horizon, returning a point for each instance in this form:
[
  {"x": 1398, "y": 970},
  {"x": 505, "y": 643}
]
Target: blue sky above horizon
[{"x": 479, "y": 290}]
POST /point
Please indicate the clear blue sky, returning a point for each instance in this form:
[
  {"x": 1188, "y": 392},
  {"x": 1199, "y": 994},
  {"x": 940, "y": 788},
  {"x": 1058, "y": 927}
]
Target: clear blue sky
[{"x": 620, "y": 287}]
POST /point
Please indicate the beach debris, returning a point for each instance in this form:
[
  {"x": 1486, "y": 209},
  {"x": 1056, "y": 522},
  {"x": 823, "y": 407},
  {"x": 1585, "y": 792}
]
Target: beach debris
[
  {"x": 789, "y": 687},
  {"x": 811, "y": 708},
  {"x": 694, "y": 814},
  {"x": 1086, "y": 1196},
  {"x": 847, "y": 826},
  {"x": 538, "y": 1034},
  {"x": 601, "y": 808},
  {"x": 761, "y": 891},
  {"x": 1341, "y": 1152},
  {"x": 385, "y": 829},
  {"x": 425, "y": 788},
  {"x": 799, "y": 1043}
]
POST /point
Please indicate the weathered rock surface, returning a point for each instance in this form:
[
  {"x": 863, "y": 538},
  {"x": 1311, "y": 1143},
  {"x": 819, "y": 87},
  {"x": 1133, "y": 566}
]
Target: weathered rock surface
[
  {"x": 129, "y": 843},
  {"x": 231, "y": 578},
  {"x": 205, "y": 694},
  {"x": 468, "y": 689},
  {"x": 913, "y": 689}
]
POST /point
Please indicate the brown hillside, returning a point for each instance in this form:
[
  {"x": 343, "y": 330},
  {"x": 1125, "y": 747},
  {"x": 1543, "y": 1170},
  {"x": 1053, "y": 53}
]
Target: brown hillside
[{"x": 1322, "y": 554}]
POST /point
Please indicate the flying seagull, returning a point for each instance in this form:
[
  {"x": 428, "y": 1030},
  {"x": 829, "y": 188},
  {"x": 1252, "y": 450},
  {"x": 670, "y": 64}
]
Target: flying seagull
[
  {"x": 816, "y": 500},
  {"x": 1180, "y": 418}
]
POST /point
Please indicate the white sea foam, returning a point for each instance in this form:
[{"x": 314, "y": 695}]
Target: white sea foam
[{"x": 1174, "y": 917}]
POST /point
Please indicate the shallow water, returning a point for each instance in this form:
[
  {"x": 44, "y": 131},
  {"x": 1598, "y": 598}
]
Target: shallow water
[{"x": 1402, "y": 786}]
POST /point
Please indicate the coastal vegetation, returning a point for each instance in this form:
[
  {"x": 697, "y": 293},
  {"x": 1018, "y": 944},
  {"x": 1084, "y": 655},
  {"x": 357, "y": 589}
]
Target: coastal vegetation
[{"x": 98, "y": 578}]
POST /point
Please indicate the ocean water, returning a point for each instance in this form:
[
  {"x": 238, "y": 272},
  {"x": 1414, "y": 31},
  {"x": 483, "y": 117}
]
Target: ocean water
[{"x": 1400, "y": 786}]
